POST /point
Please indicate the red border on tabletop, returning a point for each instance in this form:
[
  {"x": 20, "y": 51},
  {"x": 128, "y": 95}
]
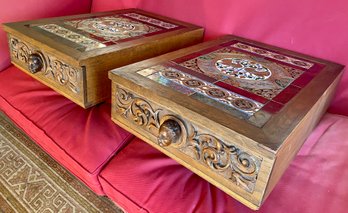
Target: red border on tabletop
[
  {"x": 109, "y": 43},
  {"x": 279, "y": 100}
]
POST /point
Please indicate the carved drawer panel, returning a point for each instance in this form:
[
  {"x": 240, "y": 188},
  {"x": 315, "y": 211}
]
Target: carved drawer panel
[
  {"x": 48, "y": 69},
  {"x": 73, "y": 54},
  {"x": 233, "y": 111},
  {"x": 225, "y": 161}
]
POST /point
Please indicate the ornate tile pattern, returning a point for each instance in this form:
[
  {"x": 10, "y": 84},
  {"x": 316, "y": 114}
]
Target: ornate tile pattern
[
  {"x": 260, "y": 75},
  {"x": 273, "y": 55},
  {"x": 101, "y": 31},
  {"x": 153, "y": 21},
  {"x": 189, "y": 85},
  {"x": 253, "y": 74},
  {"x": 72, "y": 36},
  {"x": 112, "y": 28}
]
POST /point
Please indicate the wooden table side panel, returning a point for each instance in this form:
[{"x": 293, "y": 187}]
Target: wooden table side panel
[
  {"x": 147, "y": 128},
  {"x": 57, "y": 74},
  {"x": 283, "y": 123},
  {"x": 295, "y": 140}
]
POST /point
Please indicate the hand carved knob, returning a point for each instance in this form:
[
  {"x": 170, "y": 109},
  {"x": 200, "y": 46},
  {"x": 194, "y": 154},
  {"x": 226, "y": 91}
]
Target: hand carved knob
[
  {"x": 35, "y": 63},
  {"x": 169, "y": 133}
]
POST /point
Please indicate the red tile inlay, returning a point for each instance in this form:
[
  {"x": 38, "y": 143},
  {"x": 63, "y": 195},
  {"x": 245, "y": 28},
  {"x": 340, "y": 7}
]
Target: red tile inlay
[
  {"x": 196, "y": 54},
  {"x": 268, "y": 59},
  {"x": 147, "y": 22},
  {"x": 272, "y": 107},
  {"x": 228, "y": 43},
  {"x": 287, "y": 94},
  {"x": 303, "y": 80},
  {"x": 273, "y": 54},
  {"x": 109, "y": 43},
  {"x": 316, "y": 69},
  {"x": 160, "y": 30},
  {"x": 186, "y": 57}
]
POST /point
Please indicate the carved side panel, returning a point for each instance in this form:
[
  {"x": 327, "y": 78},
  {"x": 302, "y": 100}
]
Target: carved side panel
[
  {"x": 54, "y": 69},
  {"x": 229, "y": 161}
]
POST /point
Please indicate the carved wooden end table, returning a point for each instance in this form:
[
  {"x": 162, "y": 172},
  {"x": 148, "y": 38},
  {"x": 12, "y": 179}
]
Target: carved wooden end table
[
  {"x": 73, "y": 54},
  {"x": 233, "y": 111}
]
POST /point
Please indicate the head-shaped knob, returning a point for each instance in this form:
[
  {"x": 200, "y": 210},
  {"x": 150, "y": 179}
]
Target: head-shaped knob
[
  {"x": 169, "y": 133},
  {"x": 35, "y": 63}
]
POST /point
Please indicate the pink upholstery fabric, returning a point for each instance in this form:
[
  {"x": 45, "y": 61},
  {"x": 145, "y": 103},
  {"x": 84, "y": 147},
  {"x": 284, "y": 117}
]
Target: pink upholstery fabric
[
  {"x": 105, "y": 5},
  {"x": 11, "y": 11},
  {"x": 149, "y": 181},
  {"x": 316, "y": 181},
  {"x": 81, "y": 140},
  {"x": 315, "y": 27}
]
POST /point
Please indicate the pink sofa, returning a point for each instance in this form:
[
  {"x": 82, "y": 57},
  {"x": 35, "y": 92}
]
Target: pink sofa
[{"x": 137, "y": 177}]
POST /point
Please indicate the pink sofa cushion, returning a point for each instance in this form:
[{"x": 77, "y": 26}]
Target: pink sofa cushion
[
  {"x": 81, "y": 140},
  {"x": 148, "y": 181},
  {"x": 34, "y": 9},
  {"x": 312, "y": 27}
]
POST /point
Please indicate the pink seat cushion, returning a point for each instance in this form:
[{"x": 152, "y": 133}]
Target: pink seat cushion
[
  {"x": 81, "y": 140},
  {"x": 141, "y": 179}
]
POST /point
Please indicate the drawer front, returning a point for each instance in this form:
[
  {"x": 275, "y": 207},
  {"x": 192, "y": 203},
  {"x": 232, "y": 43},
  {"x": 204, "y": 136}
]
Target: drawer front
[
  {"x": 48, "y": 69},
  {"x": 239, "y": 172}
]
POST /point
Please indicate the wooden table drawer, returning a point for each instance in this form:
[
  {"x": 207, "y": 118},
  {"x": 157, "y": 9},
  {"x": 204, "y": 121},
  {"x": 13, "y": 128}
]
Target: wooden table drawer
[
  {"x": 221, "y": 159},
  {"x": 232, "y": 110},
  {"x": 73, "y": 54},
  {"x": 48, "y": 69}
]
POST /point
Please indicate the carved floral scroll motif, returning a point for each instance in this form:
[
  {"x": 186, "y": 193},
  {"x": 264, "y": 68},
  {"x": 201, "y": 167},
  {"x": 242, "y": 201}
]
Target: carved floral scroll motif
[
  {"x": 54, "y": 69},
  {"x": 227, "y": 160},
  {"x": 137, "y": 110}
]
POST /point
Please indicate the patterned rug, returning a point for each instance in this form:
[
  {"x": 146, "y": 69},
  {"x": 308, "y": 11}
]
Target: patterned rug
[{"x": 31, "y": 181}]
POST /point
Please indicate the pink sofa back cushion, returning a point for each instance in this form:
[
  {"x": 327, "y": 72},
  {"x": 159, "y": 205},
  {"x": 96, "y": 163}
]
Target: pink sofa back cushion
[
  {"x": 34, "y": 9},
  {"x": 315, "y": 27}
]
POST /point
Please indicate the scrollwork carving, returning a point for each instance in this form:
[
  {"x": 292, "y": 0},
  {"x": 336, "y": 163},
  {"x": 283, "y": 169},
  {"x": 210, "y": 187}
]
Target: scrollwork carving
[
  {"x": 19, "y": 50},
  {"x": 230, "y": 161},
  {"x": 227, "y": 160},
  {"x": 56, "y": 70},
  {"x": 137, "y": 109},
  {"x": 63, "y": 74}
]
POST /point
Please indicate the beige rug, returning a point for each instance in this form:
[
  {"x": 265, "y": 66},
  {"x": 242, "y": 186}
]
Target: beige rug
[{"x": 31, "y": 181}]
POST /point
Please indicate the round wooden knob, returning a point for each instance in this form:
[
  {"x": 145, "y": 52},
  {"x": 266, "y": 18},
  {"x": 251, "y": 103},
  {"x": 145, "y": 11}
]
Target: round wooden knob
[
  {"x": 169, "y": 133},
  {"x": 35, "y": 63}
]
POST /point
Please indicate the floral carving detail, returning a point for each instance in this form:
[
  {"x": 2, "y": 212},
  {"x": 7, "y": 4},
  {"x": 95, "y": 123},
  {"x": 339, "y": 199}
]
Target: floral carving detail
[
  {"x": 56, "y": 70},
  {"x": 63, "y": 74},
  {"x": 19, "y": 50},
  {"x": 229, "y": 161},
  {"x": 137, "y": 109}
]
